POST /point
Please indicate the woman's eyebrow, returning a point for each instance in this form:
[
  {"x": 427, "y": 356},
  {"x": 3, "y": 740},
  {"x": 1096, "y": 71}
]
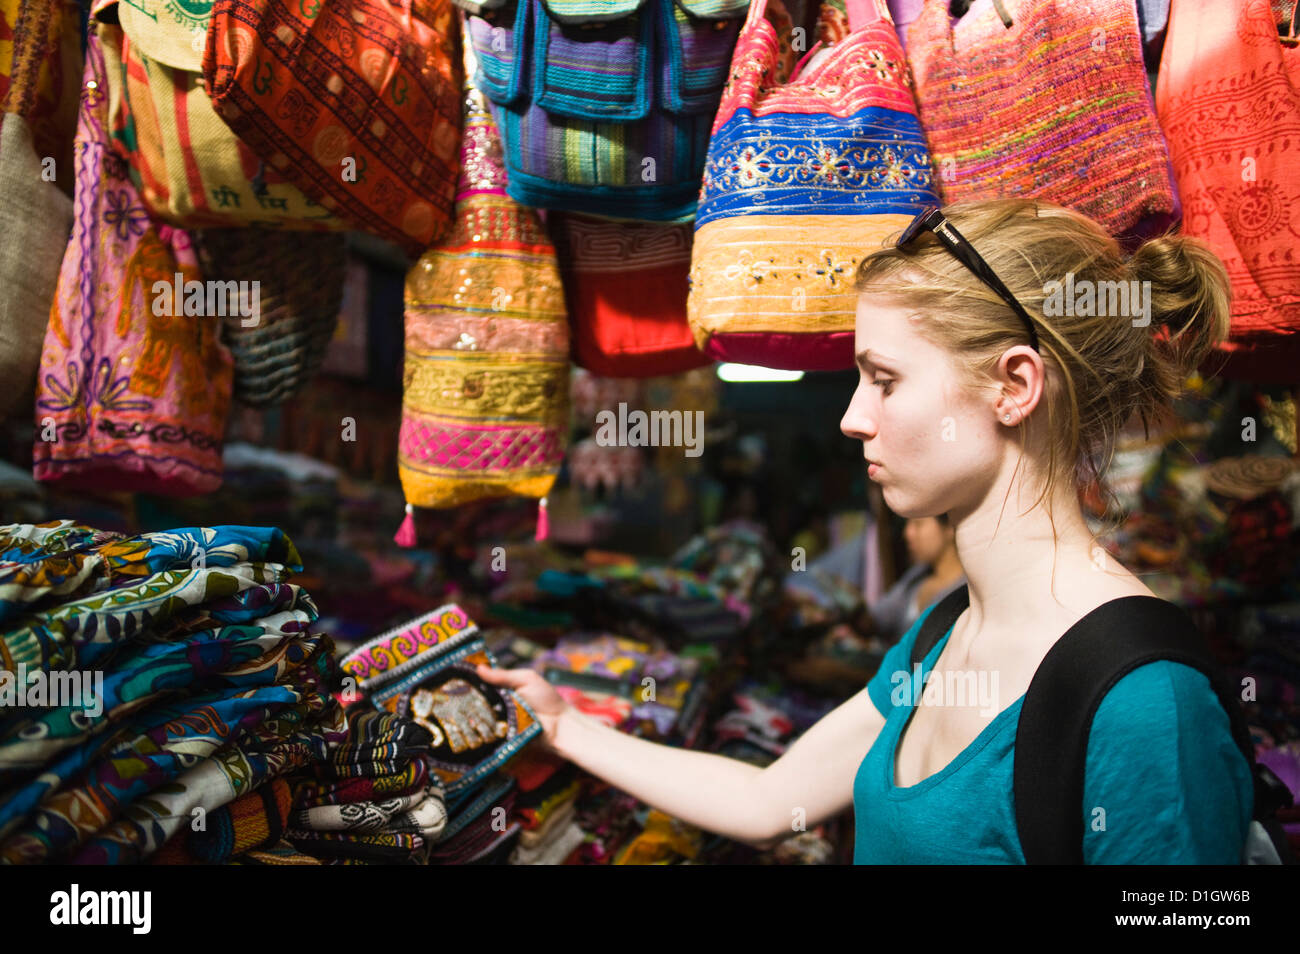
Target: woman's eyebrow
[{"x": 866, "y": 358}]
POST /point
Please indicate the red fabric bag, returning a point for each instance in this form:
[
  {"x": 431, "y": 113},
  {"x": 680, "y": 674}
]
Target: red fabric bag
[
  {"x": 1229, "y": 101},
  {"x": 355, "y": 102},
  {"x": 625, "y": 285}
]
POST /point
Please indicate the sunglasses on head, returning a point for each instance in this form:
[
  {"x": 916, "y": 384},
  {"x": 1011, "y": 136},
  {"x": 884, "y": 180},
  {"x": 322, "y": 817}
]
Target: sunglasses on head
[{"x": 932, "y": 220}]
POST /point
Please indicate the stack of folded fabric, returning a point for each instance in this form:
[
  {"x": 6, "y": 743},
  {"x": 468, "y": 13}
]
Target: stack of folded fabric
[
  {"x": 548, "y": 816},
  {"x": 374, "y": 799},
  {"x": 482, "y": 830},
  {"x": 147, "y": 681}
]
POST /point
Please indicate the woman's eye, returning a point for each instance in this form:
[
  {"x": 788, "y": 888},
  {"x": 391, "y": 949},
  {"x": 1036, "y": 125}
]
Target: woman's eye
[{"x": 888, "y": 385}]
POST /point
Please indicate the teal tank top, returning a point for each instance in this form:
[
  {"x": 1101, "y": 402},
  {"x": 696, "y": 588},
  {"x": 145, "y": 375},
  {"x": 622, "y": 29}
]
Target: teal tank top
[{"x": 1164, "y": 782}]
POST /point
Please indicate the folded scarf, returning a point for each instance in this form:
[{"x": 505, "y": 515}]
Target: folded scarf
[{"x": 553, "y": 853}]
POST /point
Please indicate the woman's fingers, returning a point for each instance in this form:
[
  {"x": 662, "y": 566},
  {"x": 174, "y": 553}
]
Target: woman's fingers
[{"x": 511, "y": 678}]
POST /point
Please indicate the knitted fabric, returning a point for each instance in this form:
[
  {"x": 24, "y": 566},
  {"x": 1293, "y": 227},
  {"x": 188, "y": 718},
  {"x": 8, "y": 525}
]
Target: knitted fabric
[
  {"x": 1056, "y": 107},
  {"x": 299, "y": 294}
]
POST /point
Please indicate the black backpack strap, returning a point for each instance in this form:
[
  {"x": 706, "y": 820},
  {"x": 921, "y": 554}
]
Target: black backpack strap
[
  {"x": 1066, "y": 690},
  {"x": 938, "y": 623}
]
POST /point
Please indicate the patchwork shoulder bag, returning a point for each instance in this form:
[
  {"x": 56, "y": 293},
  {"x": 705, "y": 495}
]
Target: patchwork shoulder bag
[
  {"x": 605, "y": 106},
  {"x": 485, "y": 406},
  {"x": 355, "y": 102},
  {"x": 806, "y": 175}
]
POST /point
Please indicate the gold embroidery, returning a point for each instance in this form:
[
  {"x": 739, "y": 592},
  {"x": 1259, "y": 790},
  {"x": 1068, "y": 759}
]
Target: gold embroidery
[{"x": 527, "y": 388}]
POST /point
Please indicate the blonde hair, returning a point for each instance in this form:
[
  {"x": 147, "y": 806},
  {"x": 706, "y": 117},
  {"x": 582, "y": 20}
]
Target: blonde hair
[{"x": 1100, "y": 369}]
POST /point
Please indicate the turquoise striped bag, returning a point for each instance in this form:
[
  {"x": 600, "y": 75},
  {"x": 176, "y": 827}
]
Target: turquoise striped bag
[{"x": 605, "y": 106}]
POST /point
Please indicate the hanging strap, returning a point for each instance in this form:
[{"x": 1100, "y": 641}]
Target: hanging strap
[{"x": 863, "y": 13}]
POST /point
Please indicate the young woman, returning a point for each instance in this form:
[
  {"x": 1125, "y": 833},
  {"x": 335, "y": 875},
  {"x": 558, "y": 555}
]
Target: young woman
[{"x": 982, "y": 397}]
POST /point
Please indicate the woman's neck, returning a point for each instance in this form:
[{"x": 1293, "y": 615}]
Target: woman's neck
[{"x": 1022, "y": 570}]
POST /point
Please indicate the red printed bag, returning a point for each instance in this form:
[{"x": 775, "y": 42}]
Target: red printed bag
[{"x": 356, "y": 102}]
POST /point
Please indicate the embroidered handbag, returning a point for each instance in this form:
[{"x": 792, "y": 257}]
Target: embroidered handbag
[
  {"x": 1057, "y": 106},
  {"x": 486, "y": 387},
  {"x": 605, "y": 107},
  {"x": 296, "y": 292},
  {"x": 625, "y": 284},
  {"x": 189, "y": 168},
  {"x": 805, "y": 175},
  {"x": 1229, "y": 101},
  {"x": 355, "y": 102},
  {"x": 132, "y": 393},
  {"x": 425, "y": 671}
]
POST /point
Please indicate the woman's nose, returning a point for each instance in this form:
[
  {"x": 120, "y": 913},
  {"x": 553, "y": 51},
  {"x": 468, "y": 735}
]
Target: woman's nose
[{"x": 858, "y": 422}]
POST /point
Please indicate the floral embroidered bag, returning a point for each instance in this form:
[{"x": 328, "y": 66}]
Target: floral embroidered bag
[
  {"x": 805, "y": 175},
  {"x": 133, "y": 392}
]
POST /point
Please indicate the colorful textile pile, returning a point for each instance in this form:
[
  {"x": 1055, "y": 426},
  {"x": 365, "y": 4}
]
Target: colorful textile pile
[
  {"x": 374, "y": 799},
  {"x": 147, "y": 681},
  {"x": 481, "y": 830}
]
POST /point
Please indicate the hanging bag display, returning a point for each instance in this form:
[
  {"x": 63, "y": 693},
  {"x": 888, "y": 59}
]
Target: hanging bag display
[
  {"x": 356, "y": 102},
  {"x": 605, "y": 108},
  {"x": 626, "y": 284},
  {"x": 134, "y": 384},
  {"x": 1229, "y": 100},
  {"x": 486, "y": 387},
  {"x": 805, "y": 176},
  {"x": 1044, "y": 99}
]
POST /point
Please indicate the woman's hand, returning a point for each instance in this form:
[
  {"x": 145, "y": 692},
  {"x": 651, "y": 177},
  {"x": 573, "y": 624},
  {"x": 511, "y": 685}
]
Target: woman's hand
[{"x": 534, "y": 690}]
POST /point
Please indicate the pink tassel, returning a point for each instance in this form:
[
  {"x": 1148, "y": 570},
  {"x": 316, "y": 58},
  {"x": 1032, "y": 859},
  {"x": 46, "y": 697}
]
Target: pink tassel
[
  {"x": 543, "y": 522},
  {"x": 405, "y": 536}
]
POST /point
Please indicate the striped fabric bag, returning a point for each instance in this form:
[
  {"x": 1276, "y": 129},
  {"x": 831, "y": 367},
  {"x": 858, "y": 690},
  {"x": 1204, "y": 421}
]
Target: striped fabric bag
[
  {"x": 486, "y": 386},
  {"x": 1055, "y": 106},
  {"x": 605, "y": 106},
  {"x": 191, "y": 170},
  {"x": 805, "y": 175}
]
